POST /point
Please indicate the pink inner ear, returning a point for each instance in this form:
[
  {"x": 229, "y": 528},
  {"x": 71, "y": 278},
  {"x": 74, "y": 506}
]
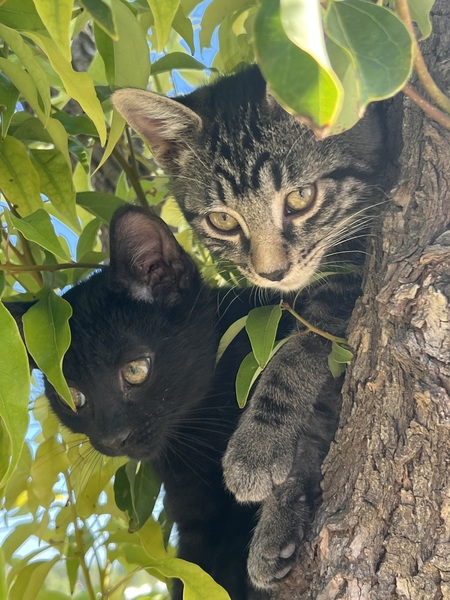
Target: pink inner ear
[
  {"x": 155, "y": 131},
  {"x": 149, "y": 239}
]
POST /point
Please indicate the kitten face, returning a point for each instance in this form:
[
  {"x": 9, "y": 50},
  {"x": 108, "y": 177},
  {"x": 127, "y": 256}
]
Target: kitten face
[
  {"x": 254, "y": 183},
  {"x": 133, "y": 370}
]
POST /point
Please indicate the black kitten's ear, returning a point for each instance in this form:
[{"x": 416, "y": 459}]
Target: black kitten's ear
[
  {"x": 163, "y": 122},
  {"x": 17, "y": 310},
  {"x": 146, "y": 260}
]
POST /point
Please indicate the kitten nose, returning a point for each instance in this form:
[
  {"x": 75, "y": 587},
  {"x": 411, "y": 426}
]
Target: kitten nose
[
  {"x": 274, "y": 275},
  {"x": 113, "y": 445}
]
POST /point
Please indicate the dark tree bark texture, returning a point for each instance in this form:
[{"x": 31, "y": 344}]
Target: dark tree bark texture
[{"x": 383, "y": 529}]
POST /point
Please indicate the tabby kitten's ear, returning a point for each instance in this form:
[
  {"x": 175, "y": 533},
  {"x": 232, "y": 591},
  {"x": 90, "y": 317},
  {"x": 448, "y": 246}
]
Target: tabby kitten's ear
[
  {"x": 146, "y": 260},
  {"x": 163, "y": 122}
]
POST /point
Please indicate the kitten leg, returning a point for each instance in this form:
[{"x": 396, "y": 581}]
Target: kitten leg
[
  {"x": 283, "y": 519},
  {"x": 295, "y": 399}
]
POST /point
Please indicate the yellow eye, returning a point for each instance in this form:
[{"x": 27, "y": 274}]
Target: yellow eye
[
  {"x": 223, "y": 221},
  {"x": 79, "y": 399},
  {"x": 301, "y": 199},
  {"x": 136, "y": 371}
]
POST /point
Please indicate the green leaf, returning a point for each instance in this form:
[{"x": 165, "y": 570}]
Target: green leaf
[
  {"x": 9, "y": 95},
  {"x": 88, "y": 238},
  {"x": 163, "y": 13},
  {"x": 127, "y": 60},
  {"x": 49, "y": 462},
  {"x": 152, "y": 540},
  {"x": 23, "y": 82},
  {"x": 26, "y": 56},
  {"x": 144, "y": 489},
  {"x": 76, "y": 124},
  {"x": 20, "y": 14},
  {"x": 229, "y": 335},
  {"x": 198, "y": 585},
  {"x": 56, "y": 182},
  {"x": 247, "y": 374},
  {"x": 176, "y": 60},
  {"x": 78, "y": 85},
  {"x": 303, "y": 86},
  {"x": 56, "y": 16},
  {"x": 420, "y": 13},
  {"x": 47, "y": 335},
  {"x": 261, "y": 326},
  {"x": 38, "y": 228},
  {"x": 378, "y": 43},
  {"x": 14, "y": 392},
  {"x": 115, "y": 133},
  {"x": 183, "y": 26},
  {"x": 19, "y": 180},
  {"x": 100, "y": 204},
  {"x": 31, "y": 578},
  {"x": 101, "y": 12},
  {"x": 216, "y": 12},
  {"x": 338, "y": 359}
]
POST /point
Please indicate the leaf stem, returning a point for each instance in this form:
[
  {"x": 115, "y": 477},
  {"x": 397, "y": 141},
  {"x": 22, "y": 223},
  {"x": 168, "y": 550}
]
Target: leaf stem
[
  {"x": 401, "y": 7},
  {"x": 12, "y": 268},
  {"x": 433, "y": 112},
  {"x": 79, "y": 539},
  {"x": 311, "y": 327},
  {"x": 133, "y": 178}
]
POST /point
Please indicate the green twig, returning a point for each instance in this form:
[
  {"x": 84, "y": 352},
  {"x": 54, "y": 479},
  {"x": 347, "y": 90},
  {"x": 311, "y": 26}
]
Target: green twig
[
  {"x": 311, "y": 327},
  {"x": 427, "y": 108},
  {"x": 79, "y": 539},
  {"x": 402, "y": 9},
  {"x": 132, "y": 177},
  {"x": 12, "y": 268}
]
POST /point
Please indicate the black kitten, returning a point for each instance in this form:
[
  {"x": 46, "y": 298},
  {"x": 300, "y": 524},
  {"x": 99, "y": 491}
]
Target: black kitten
[
  {"x": 141, "y": 373},
  {"x": 262, "y": 192}
]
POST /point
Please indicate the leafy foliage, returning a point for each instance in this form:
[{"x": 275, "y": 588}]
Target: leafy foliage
[{"x": 54, "y": 119}]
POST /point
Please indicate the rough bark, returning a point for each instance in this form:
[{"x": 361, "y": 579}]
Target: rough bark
[{"x": 383, "y": 529}]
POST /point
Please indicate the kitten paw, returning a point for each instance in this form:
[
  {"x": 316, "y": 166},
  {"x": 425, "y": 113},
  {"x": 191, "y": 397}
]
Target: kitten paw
[
  {"x": 254, "y": 464},
  {"x": 275, "y": 543}
]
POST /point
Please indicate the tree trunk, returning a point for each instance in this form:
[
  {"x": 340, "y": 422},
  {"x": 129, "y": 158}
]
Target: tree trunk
[{"x": 383, "y": 529}]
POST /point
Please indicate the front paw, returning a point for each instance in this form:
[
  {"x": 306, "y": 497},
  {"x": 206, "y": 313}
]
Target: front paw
[
  {"x": 256, "y": 460},
  {"x": 276, "y": 540}
]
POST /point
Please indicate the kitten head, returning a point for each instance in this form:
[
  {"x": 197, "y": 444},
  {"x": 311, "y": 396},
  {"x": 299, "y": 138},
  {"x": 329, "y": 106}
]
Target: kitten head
[
  {"x": 143, "y": 342},
  {"x": 257, "y": 186}
]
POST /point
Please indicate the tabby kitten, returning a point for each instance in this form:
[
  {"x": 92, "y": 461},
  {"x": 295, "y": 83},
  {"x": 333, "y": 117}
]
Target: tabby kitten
[
  {"x": 141, "y": 367},
  {"x": 261, "y": 191}
]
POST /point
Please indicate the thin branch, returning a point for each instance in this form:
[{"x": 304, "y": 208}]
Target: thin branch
[
  {"x": 133, "y": 178},
  {"x": 401, "y": 7},
  {"x": 311, "y": 327},
  {"x": 428, "y": 108},
  {"x": 12, "y": 268},
  {"x": 79, "y": 539}
]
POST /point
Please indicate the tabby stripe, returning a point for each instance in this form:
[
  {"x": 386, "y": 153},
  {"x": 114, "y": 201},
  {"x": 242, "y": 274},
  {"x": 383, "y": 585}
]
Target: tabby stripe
[
  {"x": 270, "y": 412},
  {"x": 260, "y": 162},
  {"x": 228, "y": 177},
  {"x": 345, "y": 172},
  {"x": 214, "y": 140}
]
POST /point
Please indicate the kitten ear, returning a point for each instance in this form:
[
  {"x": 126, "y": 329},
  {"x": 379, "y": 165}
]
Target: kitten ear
[
  {"x": 146, "y": 259},
  {"x": 163, "y": 122}
]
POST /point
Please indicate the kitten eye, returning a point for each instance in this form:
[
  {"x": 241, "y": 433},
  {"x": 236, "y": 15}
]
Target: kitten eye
[
  {"x": 79, "y": 399},
  {"x": 223, "y": 221},
  {"x": 136, "y": 371},
  {"x": 301, "y": 199}
]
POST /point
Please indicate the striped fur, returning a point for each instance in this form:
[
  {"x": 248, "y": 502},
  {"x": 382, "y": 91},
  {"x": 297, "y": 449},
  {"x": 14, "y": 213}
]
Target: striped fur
[{"x": 238, "y": 153}]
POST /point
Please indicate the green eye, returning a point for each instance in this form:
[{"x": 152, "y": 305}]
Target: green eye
[
  {"x": 301, "y": 199},
  {"x": 136, "y": 371},
  {"x": 223, "y": 221},
  {"x": 79, "y": 399}
]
